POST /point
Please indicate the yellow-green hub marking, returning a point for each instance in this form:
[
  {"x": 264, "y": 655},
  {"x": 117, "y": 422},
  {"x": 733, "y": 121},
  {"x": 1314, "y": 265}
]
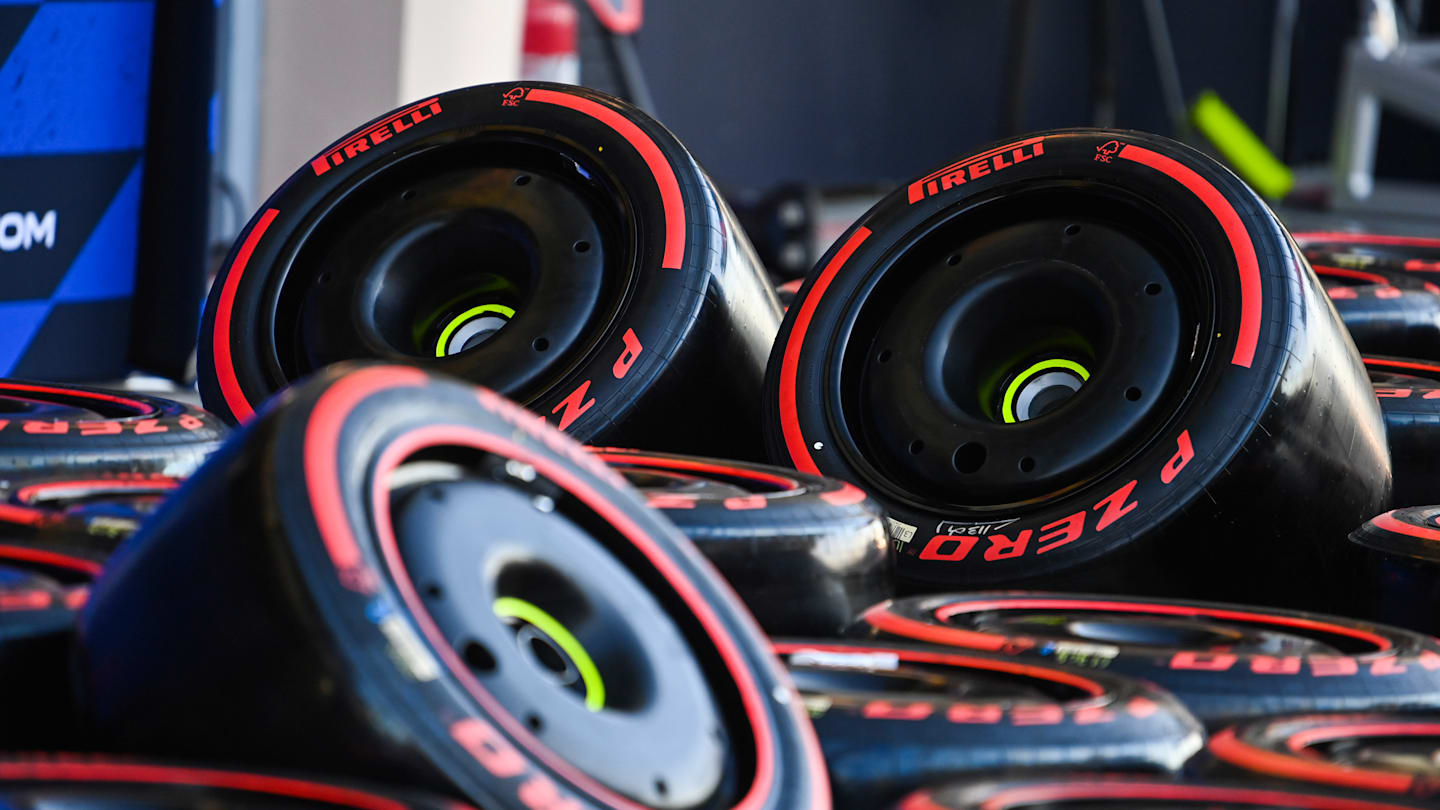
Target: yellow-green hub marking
[
  {"x": 1007, "y": 404},
  {"x": 508, "y": 607},
  {"x": 456, "y": 321}
]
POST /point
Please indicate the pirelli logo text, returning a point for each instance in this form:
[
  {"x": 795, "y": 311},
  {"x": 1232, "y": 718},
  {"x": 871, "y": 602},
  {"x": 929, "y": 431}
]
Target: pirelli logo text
[
  {"x": 375, "y": 135},
  {"x": 976, "y": 166}
]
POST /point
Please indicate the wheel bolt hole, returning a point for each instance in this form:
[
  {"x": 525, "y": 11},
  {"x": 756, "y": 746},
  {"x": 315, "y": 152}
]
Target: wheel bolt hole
[
  {"x": 408, "y": 194},
  {"x": 969, "y": 457},
  {"x": 477, "y": 657},
  {"x": 1027, "y": 464},
  {"x": 916, "y": 446},
  {"x": 324, "y": 278},
  {"x": 434, "y": 591},
  {"x": 661, "y": 788},
  {"x": 884, "y": 356},
  {"x": 522, "y": 180},
  {"x": 582, "y": 246},
  {"x": 1132, "y": 393},
  {"x": 540, "y": 344},
  {"x": 1071, "y": 230},
  {"x": 954, "y": 259},
  {"x": 1152, "y": 289},
  {"x": 534, "y": 722}
]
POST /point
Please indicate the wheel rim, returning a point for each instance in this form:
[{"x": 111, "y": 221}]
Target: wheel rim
[
  {"x": 1020, "y": 305},
  {"x": 563, "y": 635}
]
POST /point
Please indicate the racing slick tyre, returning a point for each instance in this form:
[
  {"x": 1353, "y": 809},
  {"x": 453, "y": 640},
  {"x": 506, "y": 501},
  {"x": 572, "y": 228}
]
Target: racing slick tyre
[
  {"x": 1399, "y": 579},
  {"x": 68, "y": 525},
  {"x": 1084, "y": 358},
  {"x": 894, "y": 717},
  {"x": 1088, "y": 792},
  {"x": 97, "y": 782},
  {"x": 1336, "y": 276},
  {"x": 1417, "y": 256},
  {"x": 37, "y": 621},
  {"x": 1382, "y": 753},
  {"x": 47, "y": 427},
  {"x": 805, "y": 554},
  {"x": 1222, "y": 661},
  {"x": 617, "y": 295},
  {"x": 1385, "y": 319},
  {"x": 418, "y": 581},
  {"x": 1411, "y": 407}
]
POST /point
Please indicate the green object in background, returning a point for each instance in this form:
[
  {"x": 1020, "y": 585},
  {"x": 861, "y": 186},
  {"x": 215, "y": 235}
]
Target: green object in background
[{"x": 1240, "y": 146}]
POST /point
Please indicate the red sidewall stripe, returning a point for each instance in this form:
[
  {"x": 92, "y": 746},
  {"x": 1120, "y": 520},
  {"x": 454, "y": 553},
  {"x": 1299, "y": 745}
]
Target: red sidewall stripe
[
  {"x": 950, "y": 659},
  {"x": 119, "y": 772},
  {"x": 626, "y": 458},
  {"x": 1386, "y": 363},
  {"x": 1390, "y": 523},
  {"x": 1363, "y": 238},
  {"x": 140, "y": 408},
  {"x": 230, "y": 388},
  {"x": 1344, "y": 272},
  {"x": 1062, "y": 791},
  {"x": 795, "y": 443},
  {"x": 1240, "y": 243},
  {"x": 35, "y": 555},
  {"x": 1230, "y": 748},
  {"x": 1041, "y": 603},
  {"x": 670, "y": 199},
  {"x": 103, "y": 485}
]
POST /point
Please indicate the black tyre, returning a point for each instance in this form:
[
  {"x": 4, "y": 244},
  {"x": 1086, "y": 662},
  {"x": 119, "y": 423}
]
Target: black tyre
[
  {"x": 1411, "y": 407},
  {"x": 1399, "y": 579},
  {"x": 1382, "y": 753},
  {"x": 1337, "y": 279},
  {"x": 1221, "y": 661},
  {"x": 1411, "y": 255},
  {"x": 806, "y": 554},
  {"x": 55, "y": 427},
  {"x": 894, "y": 717},
  {"x": 84, "y": 781},
  {"x": 1385, "y": 319},
  {"x": 1403, "y": 370},
  {"x": 37, "y": 620},
  {"x": 1088, "y": 792},
  {"x": 418, "y": 581},
  {"x": 618, "y": 297},
  {"x": 1044, "y": 379},
  {"x": 67, "y": 526}
]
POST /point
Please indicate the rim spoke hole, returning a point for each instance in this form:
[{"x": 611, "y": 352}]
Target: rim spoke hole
[
  {"x": 477, "y": 656},
  {"x": 884, "y": 356},
  {"x": 1152, "y": 288},
  {"x": 661, "y": 788},
  {"x": 582, "y": 246},
  {"x": 434, "y": 591},
  {"x": 540, "y": 344},
  {"x": 969, "y": 457},
  {"x": 1132, "y": 393},
  {"x": 522, "y": 180},
  {"x": 916, "y": 446},
  {"x": 534, "y": 722},
  {"x": 954, "y": 259},
  {"x": 1072, "y": 229},
  {"x": 1027, "y": 464}
]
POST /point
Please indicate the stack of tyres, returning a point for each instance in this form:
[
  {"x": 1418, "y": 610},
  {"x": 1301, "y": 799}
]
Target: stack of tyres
[
  {"x": 1399, "y": 580},
  {"x": 619, "y": 298},
  {"x": 894, "y": 717},
  {"x": 806, "y": 554},
  {"x": 418, "y": 581},
  {"x": 1086, "y": 791},
  {"x": 1409, "y": 394},
  {"x": 1380, "y": 753},
  {"x": 1384, "y": 288},
  {"x": 37, "y": 615},
  {"x": 1047, "y": 382},
  {"x": 1224, "y": 662}
]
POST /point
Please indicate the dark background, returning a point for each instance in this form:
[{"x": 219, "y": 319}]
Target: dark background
[{"x": 847, "y": 92}]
